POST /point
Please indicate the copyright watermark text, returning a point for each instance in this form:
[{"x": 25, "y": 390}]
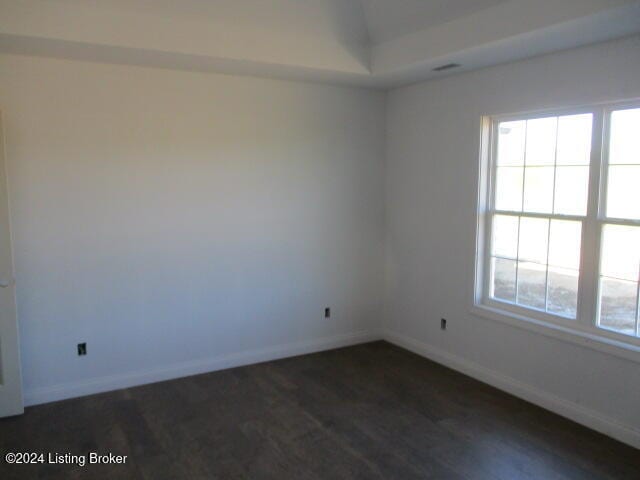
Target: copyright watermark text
[{"x": 91, "y": 458}]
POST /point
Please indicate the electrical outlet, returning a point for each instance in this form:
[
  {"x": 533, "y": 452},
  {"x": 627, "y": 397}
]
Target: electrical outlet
[
  {"x": 327, "y": 312},
  {"x": 82, "y": 349},
  {"x": 443, "y": 324}
]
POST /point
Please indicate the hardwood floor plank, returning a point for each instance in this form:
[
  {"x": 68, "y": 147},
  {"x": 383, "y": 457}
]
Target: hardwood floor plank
[{"x": 371, "y": 411}]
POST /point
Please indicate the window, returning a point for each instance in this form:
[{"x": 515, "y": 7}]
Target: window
[{"x": 560, "y": 224}]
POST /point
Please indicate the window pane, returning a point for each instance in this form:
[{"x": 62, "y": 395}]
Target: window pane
[
  {"x": 621, "y": 252},
  {"x": 618, "y": 305},
  {"x": 538, "y": 189},
  {"x": 541, "y": 141},
  {"x": 532, "y": 285},
  {"x": 572, "y": 185},
  {"x": 574, "y": 139},
  {"x": 509, "y": 188},
  {"x": 505, "y": 236},
  {"x": 503, "y": 274},
  {"x": 542, "y": 170},
  {"x": 623, "y": 192},
  {"x": 534, "y": 234},
  {"x": 511, "y": 143},
  {"x": 564, "y": 244},
  {"x": 625, "y": 140},
  {"x": 563, "y": 292}
]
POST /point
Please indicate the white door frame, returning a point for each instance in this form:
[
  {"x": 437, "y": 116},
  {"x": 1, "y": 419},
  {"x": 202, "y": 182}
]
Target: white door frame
[{"x": 11, "y": 402}]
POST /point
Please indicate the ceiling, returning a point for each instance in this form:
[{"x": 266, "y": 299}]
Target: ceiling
[
  {"x": 390, "y": 19},
  {"x": 372, "y": 43}
]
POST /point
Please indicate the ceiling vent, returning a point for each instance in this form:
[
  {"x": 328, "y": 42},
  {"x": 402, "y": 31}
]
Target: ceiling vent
[{"x": 448, "y": 66}]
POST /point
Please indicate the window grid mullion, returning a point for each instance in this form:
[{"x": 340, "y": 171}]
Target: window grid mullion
[
  {"x": 517, "y": 260},
  {"x": 488, "y": 238},
  {"x": 588, "y": 289},
  {"x": 553, "y": 209},
  {"x": 621, "y": 221},
  {"x": 524, "y": 178},
  {"x": 550, "y": 216}
]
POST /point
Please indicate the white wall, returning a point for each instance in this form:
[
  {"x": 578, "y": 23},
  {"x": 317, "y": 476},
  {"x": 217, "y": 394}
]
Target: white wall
[
  {"x": 431, "y": 184},
  {"x": 176, "y": 221}
]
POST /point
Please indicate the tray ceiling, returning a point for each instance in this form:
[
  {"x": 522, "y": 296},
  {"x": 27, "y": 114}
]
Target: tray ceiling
[{"x": 376, "y": 43}]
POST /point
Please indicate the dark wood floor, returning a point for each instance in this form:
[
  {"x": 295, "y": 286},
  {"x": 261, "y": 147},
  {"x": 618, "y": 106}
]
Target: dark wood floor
[{"x": 369, "y": 412}]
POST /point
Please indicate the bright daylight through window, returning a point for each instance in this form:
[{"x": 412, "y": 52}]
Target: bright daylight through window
[{"x": 562, "y": 231}]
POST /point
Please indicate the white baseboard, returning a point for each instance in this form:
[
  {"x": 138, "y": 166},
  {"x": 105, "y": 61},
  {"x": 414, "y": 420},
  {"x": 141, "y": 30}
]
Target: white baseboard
[
  {"x": 185, "y": 369},
  {"x": 578, "y": 413},
  {"x": 563, "y": 407}
]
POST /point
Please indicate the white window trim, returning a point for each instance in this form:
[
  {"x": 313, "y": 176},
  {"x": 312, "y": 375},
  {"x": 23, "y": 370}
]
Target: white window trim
[{"x": 582, "y": 330}]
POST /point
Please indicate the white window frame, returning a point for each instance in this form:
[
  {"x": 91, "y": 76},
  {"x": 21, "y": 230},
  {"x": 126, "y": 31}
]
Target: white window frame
[{"x": 583, "y": 329}]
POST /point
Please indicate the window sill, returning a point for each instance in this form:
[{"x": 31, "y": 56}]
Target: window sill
[{"x": 599, "y": 343}]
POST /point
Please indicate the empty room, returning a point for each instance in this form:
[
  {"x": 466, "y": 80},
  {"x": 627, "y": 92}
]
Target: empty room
[{"x": 320, "y": 239}]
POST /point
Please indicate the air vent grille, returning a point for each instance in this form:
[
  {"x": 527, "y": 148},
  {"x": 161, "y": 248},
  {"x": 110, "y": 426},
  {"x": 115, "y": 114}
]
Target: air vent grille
[{"x": 448, "y": 66}]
